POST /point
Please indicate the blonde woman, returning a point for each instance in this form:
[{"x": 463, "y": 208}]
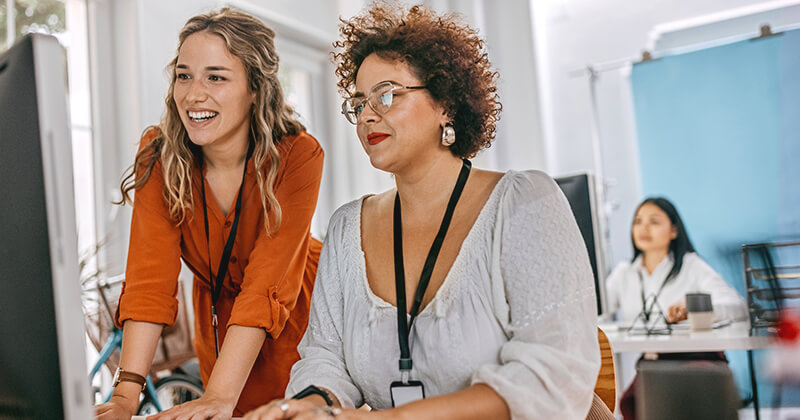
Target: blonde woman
[{"x": 228, "y": 182}]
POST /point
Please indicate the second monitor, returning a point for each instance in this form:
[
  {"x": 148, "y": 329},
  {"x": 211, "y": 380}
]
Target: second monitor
[{"x": 582, "y": 196}]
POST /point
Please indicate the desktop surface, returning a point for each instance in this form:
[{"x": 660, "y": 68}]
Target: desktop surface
[{"x": 735, "y": 336}]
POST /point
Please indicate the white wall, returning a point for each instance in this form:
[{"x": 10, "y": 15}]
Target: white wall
[
  {"x": 510, "y": 43},
  {"x": 571, "y": 34},
  {"x": 506, "y": 26}
]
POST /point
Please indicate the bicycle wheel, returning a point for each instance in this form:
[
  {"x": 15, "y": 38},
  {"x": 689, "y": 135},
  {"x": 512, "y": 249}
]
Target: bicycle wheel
[{"x": 171, "y": 391}]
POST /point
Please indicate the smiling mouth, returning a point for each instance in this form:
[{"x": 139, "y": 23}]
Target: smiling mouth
[{"x": 201, "y": 116}]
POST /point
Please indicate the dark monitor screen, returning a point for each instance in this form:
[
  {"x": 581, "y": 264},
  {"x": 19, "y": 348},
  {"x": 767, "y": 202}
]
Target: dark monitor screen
[
  {"x": 579, "y": 190},
  {"x": 42, "y": 362}
]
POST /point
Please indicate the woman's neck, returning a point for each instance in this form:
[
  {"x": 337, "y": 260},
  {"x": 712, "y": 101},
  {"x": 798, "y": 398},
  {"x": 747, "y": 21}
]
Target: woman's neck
[
  {"x": 225, "y": 156},
  {"x": 427, "y": 184},
  {"x": 651, "y": 259}
]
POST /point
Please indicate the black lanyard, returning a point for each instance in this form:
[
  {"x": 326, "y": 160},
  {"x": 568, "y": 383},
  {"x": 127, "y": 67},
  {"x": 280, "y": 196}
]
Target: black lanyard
[
  {"x": 216, "y": 286},
  {"x": 645, "y": 310},
  {"x": 404, "y": 324}
]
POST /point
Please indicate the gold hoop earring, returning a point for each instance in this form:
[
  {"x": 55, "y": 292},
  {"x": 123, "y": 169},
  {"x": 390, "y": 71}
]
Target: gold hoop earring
[{"x": 448, "y": 135}]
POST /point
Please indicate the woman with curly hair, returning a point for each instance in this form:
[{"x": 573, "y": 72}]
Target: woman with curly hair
[
  {"x": 462, "y": 293},
  {"x": 228, "y": 182}
]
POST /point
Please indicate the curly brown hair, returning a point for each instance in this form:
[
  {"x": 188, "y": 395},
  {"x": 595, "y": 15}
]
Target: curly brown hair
[{"x": 446, "y": 55}]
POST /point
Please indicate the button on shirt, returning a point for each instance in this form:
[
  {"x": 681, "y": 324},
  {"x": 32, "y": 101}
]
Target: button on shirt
[{"x": 624, "y": 289}]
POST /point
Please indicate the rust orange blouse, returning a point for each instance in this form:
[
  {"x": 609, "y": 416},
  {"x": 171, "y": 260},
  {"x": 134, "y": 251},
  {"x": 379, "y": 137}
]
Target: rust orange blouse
[{"x": 269, "y": 280}]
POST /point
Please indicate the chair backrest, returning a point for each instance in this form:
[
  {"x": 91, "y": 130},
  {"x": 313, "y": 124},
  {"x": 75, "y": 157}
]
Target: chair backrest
[{"x": 606, "y": 386}]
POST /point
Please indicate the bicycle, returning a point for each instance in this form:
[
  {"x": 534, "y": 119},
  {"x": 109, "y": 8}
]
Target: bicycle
[{"x": 176, "y": 388}]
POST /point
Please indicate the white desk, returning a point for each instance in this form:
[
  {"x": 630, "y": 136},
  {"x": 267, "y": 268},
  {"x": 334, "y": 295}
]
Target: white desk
[{"x": 732, "y": 337}]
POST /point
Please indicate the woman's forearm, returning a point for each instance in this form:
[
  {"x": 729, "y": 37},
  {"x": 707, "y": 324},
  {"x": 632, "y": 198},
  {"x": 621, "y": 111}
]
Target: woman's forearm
[
  {"x": 476, "y": 402},
  {"x": 139, "y": 341},
  {"x": 236, "y": 359}
]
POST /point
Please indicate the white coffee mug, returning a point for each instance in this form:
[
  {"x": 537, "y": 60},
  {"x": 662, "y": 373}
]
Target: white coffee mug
[{"x": 699, "y": 311}]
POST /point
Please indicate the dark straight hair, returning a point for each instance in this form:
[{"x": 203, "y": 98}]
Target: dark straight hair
[{"x": 678, "y": 246}]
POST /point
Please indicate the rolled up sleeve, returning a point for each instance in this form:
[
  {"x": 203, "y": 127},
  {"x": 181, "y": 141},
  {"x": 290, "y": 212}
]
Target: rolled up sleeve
[
  {"x": 549, "y": 366},
  {"x": 151, "y": 276}
]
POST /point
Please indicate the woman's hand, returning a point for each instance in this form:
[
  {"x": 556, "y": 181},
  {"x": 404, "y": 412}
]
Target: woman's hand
[
  {"x": 282, "y": 409},
  {"x": 677, "y": 312},
  {"x": 117, "y": 408},
  {"x": 305, "y": 410},
  {"x": 205, "y": 407}
]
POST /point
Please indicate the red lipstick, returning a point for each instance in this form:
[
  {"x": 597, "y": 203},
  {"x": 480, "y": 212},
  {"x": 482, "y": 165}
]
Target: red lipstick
[{"x": 375, "y": 138}]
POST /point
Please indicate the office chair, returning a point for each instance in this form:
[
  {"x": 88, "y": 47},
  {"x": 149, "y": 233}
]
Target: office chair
[{"x": 687, "y": 390}]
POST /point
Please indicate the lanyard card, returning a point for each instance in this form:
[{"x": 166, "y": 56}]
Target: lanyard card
[{"x": 403, "y": 393}]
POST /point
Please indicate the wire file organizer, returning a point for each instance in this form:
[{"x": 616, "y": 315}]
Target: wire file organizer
[{"x": 772, "y": 281}]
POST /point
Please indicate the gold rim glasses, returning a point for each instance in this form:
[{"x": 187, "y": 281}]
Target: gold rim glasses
[{"x": 380, "y": 99}]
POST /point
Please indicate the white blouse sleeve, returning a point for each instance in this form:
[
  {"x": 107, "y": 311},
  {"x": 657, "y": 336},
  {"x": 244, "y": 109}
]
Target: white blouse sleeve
[
  {"x": 544, "y": 291},
  {"x": 726, "y": 301},
  {"x": 322, "y": 360}
]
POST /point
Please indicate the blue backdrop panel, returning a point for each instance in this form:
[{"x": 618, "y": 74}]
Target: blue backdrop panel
[
  {"x": 719, "y": 135},
  {"x": 789, "y": 135}
]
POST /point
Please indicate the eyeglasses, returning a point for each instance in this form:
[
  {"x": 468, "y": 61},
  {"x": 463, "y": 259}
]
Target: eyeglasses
[{"x": 380, "y": 99}]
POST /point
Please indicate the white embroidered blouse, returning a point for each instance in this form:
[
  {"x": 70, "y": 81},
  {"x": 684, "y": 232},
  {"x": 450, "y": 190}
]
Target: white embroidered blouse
[{"x": 516, "y": 311}]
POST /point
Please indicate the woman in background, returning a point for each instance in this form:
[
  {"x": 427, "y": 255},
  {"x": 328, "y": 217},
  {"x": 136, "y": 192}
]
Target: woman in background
[
  {"x": 664, "y": 269},
  {"x": 228, "y": 182},
  {"x": 500, "y": 319}
]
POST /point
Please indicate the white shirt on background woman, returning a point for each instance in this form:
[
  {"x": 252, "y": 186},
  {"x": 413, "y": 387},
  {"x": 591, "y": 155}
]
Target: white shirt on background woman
[{"x": 624, "y": 288}]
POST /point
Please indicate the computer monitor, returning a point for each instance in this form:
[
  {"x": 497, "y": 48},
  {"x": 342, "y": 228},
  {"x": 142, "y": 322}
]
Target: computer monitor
[
  {"x": 582, "y": 196},
  {"x": 43, "y": 371}
]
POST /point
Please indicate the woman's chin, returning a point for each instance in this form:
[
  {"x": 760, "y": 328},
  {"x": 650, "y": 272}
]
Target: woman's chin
[
  {"x": 379, "y": 162},
  {"x": 199, "y": 138},
  {"x": 650, "y": 248}
]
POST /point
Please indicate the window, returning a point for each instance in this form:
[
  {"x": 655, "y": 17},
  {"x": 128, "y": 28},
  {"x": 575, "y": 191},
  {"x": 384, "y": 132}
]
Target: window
[
  {"x": 302, "y": 71},
  {"x": 296, "y": 84},
  {"x": 43, "y": 16}
]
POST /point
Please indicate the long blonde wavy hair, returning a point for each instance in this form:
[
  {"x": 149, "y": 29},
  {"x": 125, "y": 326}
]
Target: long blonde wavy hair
[{"x": 249, "y": 40}]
